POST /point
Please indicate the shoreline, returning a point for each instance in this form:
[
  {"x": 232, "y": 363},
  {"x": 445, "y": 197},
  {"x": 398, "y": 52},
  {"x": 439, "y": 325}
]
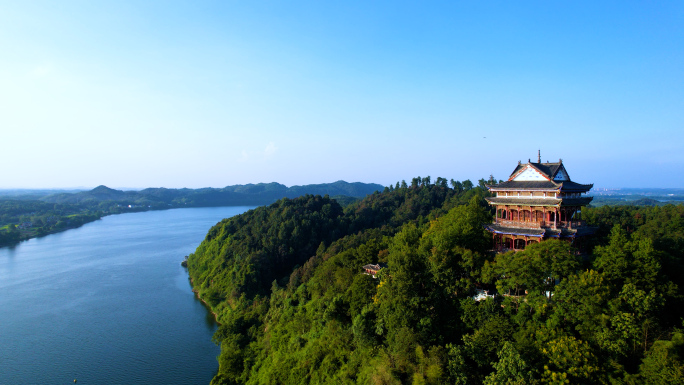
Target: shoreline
[
  {"x": 32, "y": 234},
  {"x": 28, "y": 235},
  {"x": 196, "y": 292}
]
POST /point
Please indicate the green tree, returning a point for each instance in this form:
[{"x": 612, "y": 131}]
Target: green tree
[
  {"x": 429, "y": 366},
  {"x": 454, "y": 245},
  {"x": 626, "y": 260},
  {"x": 360, "y": 293},
  {"x": 403, "y": 292},
  {"x": 663, "y": 362},
  {"x": 628, "y": 331},
  {"x": 554, "y": 260},
  {"x": 537, "y": 268},
  {"x": 581, "y": 303},
  {"x": 363, "y": 328},
  {"x": 569, "y": 361},
  {"x": 481, "y": 346},
  {"x": 511, "y": 369}
]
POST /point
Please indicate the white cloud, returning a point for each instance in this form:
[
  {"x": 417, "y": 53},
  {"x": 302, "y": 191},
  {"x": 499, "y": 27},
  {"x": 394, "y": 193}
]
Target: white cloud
[
  {"x": 270, "y": 150},
  {"x": 244, "y": 157},
  {"x": 264, "y": 155}
]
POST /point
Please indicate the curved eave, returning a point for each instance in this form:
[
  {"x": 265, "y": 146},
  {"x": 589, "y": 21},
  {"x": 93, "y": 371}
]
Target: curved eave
[
  {"x": 520, "y": 188},
  {"x": 541, "y": 186},
  {"x": 553, "y": 190},
  {"x": 576, "y": 201},
  {"x": 539, "y": 202},
  {"x": 513, "y": 231},
  {"x": 577, "y": 187},
  {"x": 514, "y": 201},
  {"x": 543, "y": 233}
]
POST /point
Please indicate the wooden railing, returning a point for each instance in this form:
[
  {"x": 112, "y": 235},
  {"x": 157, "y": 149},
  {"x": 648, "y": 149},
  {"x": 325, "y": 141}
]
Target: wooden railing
[
  {"x": 574, "y": 224},
  {"x": 540, "y": 224},
  {"x": 526, "y": 225}
]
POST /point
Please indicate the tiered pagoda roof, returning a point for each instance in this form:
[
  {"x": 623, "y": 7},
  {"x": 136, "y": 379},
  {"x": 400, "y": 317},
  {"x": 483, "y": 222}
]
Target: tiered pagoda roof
[
  {"x": 541, "y": 176},
  {"x": 540, "y": 232},
  {"x": 538, "y": 201},
  {"x": 541, "y": 185},
  {"x": 583, "y": 201}
]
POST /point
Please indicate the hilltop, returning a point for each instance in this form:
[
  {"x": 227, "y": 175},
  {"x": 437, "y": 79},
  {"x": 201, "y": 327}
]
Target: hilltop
[
  {"x": 287, "y": 284},
  {"x": 25, "y": 214},
  {"x": 249, "y": 194}
]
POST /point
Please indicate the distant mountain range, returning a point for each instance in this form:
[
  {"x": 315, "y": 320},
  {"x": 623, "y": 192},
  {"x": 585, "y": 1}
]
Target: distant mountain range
[
  {"x": 636, "y": 196},
  {"x": 637, "y": 191},
  {"x": 249, "y": 194}
]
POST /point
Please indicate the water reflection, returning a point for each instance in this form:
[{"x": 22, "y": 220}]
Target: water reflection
[{"x": 9, "y": 250}]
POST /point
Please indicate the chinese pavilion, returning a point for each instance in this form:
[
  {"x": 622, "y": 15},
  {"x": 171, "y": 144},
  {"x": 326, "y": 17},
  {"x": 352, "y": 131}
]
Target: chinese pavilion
[{"x": 538, "y": 201}]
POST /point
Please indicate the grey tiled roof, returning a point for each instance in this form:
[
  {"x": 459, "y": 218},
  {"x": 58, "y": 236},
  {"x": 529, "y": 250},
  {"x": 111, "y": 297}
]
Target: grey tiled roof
[
  {"x": 515, "y": 231},
  {"x": 572, "y": 186},
  {"x": 524, "y": 201},
  {"x": 545, "y": 233},
  {"x": 583, "y": 201},
  {"x": 548, "y": 169},
  {"x": 376, "y": 267},
  {"x": 541, "y": 185},
  {"x": 526, "y": 185},
  {"x": 515, "y": 201},
  {"x": 585, "y": 230},
  {"x": 571, "y": 233}
]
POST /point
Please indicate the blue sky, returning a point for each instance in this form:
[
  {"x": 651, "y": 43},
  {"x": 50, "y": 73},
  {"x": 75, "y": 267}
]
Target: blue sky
[{"x": 209, "y": 94}]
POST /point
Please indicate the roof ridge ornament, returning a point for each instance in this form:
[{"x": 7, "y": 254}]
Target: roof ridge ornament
[{"x": 539, "y": 156}]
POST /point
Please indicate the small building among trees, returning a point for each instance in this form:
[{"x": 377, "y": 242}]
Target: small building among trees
[
  {"x": 538, "y": 201},
  {"x": 373, "y": 269}
]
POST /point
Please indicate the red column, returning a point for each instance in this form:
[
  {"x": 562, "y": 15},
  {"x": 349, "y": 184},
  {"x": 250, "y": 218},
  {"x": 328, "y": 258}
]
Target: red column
[{"x": 555, "y": 218}]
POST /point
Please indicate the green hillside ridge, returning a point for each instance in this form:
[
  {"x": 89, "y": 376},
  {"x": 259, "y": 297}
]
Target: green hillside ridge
[
  {"x": 22, "y": 218},
  {"x": 286, "y": 284},
  {"x": 250, "y": 194}
]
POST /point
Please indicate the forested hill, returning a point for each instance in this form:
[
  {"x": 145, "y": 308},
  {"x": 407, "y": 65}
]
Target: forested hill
[
  {"x": 287, "y": 286},
  {"x": 26, "y": 214},
  {"x": 250, "y": 194}
]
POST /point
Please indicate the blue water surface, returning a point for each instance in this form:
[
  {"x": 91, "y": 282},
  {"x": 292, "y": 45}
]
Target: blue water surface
[{"x": 108, "y": 303}]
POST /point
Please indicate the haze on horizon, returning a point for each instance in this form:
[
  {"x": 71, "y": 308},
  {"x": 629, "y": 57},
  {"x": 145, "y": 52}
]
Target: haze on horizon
[{"x": 209, "y": 94}]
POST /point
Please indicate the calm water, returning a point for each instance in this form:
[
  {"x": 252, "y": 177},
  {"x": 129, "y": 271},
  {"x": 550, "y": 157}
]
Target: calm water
[{"x": 108, "y": 303}]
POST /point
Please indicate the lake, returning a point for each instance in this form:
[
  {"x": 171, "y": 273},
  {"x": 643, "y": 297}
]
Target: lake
[{"x": 108, "y": 303}]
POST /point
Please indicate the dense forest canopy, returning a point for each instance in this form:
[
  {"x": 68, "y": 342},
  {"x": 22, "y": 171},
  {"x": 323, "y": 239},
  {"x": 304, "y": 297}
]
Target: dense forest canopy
[{"x": 287, "y": 285}]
